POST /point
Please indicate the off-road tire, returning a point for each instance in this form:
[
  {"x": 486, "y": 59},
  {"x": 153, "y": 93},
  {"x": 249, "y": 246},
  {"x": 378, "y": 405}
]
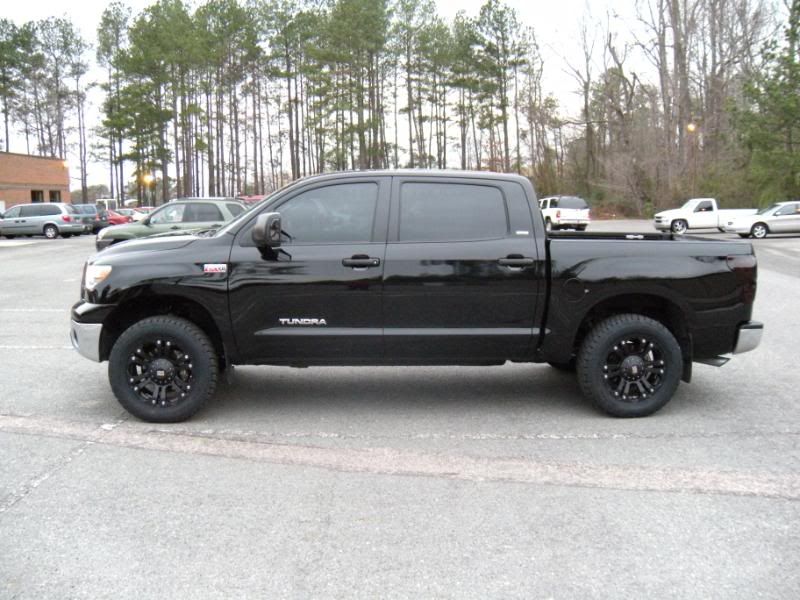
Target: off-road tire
[
  {"x": 133, "y": 347},
  {"x": 607, "y": 342}
]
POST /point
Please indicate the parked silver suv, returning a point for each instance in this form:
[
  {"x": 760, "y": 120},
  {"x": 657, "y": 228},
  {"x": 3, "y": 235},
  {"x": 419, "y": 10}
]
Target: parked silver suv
[{"x": 50, "y": 219}]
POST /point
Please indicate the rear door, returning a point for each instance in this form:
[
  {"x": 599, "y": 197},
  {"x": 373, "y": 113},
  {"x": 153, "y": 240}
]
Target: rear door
[
  {"x": 202, "y": 215},
  {"x": 462, "y": 273},
  {"x": 318, "y": 299}
]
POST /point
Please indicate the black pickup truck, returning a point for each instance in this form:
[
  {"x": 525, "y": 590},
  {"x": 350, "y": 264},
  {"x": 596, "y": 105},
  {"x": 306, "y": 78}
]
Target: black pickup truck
[{"x": 411, "y": 268}]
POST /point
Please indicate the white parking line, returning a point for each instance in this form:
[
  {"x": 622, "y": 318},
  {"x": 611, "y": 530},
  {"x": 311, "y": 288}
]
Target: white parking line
[
  {"x": 35, "y": 347},
  {"x": 13, "y": 243},
  {"x": 33, "y": 310}
]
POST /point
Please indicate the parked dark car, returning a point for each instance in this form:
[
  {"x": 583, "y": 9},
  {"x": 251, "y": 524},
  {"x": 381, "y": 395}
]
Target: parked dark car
[
  {"x": 412, "y": 268},
  {"x": 98, "y": 216}
]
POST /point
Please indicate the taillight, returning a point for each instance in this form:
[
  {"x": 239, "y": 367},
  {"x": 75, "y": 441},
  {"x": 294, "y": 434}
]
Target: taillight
[
  {"x": 744, "y": 267},
  {"x": 66, "y": 218},
  {"x": 558, "y": 214}
]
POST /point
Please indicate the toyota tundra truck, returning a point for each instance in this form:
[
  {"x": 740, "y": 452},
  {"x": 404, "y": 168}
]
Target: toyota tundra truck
[{"x": 411, "y": 268}]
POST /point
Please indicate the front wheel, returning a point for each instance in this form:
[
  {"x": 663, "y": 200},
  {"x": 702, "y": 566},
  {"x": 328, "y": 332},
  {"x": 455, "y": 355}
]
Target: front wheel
[
  {"x": 163, "y": 369},
  {"x": 50, "y": 232},
  {"x": 759, "y": 231},
  {"x": 629, "y": 365},
  {"x": 679, "y": 226}
]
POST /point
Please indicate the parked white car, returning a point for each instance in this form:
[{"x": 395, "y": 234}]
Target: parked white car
[
  {"x": 565, "y": 212},
  {"x": 781, "y": 217},
  {"x": 697, "y": 213}
]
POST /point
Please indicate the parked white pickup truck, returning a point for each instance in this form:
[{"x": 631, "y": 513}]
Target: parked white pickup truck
[{"x": 697, "y": 213}]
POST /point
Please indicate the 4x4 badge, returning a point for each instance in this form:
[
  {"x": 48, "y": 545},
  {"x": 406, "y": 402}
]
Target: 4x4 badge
[{"x": 215, "y": 268}]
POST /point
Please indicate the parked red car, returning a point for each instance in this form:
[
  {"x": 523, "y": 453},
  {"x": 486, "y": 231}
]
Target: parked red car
[{"x": 114, "y": 218}]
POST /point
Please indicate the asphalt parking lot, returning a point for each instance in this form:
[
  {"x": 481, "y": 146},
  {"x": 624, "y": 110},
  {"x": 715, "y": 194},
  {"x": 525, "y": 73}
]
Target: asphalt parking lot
[{"x": 393, "y": 482}]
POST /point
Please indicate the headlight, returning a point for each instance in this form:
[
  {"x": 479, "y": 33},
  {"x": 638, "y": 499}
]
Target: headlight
[{"x": 95, "y": 274}]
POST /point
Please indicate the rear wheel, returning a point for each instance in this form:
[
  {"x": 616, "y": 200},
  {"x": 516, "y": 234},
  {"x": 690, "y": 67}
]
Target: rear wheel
[
  {"x": 629, "y": 365},
  {"x": 759, "y": 231},
  {"x": 66, "y": 235},
  {"x": 580, "y": 228},
  {"x": 679, "y": 226},
  {"x": 50, "y": 232},
  {"x": 9, "y": 237},
  {"x": 163, "y": 369},
  {"x": 744, "y": 235},
  {"x": 548, "y": 225}
]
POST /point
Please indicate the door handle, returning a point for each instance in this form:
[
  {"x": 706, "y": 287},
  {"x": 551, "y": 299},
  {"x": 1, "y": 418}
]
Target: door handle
[
  {"x": 516, "y": 261},
  {"x": 361, "y": 261}
]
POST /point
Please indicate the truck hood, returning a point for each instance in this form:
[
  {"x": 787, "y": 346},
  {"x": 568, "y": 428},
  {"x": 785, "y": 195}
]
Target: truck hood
[
  {"x": 668, "y": 214},
  {"x": 151, "y": 244}
]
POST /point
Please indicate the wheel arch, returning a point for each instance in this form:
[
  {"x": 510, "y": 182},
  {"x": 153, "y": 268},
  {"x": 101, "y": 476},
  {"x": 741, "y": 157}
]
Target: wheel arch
[
  {"x": 658, "y": 308},
  {"x": 140, "y": 307}
]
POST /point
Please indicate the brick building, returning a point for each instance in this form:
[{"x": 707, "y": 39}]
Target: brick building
[{"x": 25, "y": 178}]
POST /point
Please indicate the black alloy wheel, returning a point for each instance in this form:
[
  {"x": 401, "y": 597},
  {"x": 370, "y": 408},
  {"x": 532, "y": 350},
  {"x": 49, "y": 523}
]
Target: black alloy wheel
[
  {"x": 629, "y": 365},
  {"x": 163, "y": 369}
]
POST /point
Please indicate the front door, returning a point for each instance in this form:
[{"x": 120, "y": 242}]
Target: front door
[
  {"x": 704, "y": 216},
  {"x": 316, "y": 300}
]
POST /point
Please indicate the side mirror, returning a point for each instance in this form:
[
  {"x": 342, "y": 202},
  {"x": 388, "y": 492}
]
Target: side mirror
[{"x": 267, "y": 230}]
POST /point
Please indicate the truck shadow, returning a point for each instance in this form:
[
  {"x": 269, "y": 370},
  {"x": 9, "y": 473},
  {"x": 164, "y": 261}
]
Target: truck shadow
[{"x": 395, "y": 389}]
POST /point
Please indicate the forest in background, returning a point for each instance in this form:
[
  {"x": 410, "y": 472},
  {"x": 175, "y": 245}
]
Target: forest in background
[{"x": 701, "y": 97}]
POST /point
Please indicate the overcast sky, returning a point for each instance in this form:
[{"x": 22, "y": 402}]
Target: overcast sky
[{"x": 556, "y": 25}]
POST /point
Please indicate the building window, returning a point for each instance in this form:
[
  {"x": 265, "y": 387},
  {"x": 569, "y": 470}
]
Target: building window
[
  {"x": 55, "y": 195},
  {"x": 37, "y": 196}
]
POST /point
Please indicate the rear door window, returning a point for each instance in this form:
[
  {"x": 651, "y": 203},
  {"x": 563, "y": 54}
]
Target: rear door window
[
  {"x": 440, "y": 212},
  {"x": 31, "y": 210},
  {"x": 200, "y": 212}
]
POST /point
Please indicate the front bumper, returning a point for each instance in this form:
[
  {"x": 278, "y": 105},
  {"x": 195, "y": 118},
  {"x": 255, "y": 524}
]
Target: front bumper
[
  {"x": 85, "y": 338},
  {"x": 749, "y": 337},
  {"x": 571, "y": 222},
  {"x": 662, "y": 225}
]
